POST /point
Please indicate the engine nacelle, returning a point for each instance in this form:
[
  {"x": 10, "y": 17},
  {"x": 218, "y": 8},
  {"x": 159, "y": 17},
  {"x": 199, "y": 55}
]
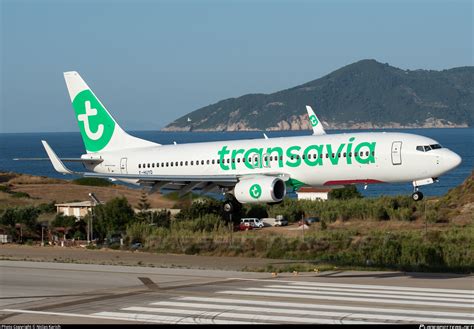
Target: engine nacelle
[{"x": 260, "y": 189}]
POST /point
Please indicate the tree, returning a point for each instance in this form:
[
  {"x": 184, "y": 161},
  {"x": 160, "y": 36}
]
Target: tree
[
  {"x": 144, "y": 206},
  {"x": 112, "y": 217},
  {"x": 349, "y": 192},
  {"x": 22, "y": 215}
]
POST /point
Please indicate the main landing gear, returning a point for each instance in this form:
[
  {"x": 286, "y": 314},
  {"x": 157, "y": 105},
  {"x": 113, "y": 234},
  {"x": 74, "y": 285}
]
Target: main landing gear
[{"x": 231, "y": 205}]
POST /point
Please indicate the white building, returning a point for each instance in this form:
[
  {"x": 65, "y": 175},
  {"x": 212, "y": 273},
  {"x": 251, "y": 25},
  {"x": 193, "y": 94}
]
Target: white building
[
  {"x": 311, "y": 193},
  {"x": 77, "y": 209}
]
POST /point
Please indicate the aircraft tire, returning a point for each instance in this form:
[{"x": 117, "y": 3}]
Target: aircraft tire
[{"x": 417, "y": 196}]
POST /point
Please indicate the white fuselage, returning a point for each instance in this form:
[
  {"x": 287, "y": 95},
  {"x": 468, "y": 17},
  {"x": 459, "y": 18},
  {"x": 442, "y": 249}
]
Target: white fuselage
[{"x": 310, "y": 160}]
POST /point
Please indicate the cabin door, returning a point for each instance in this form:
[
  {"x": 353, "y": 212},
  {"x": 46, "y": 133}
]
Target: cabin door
[
  {"x": 123, "y": 165},
  {"x": 397, "y": 153}
]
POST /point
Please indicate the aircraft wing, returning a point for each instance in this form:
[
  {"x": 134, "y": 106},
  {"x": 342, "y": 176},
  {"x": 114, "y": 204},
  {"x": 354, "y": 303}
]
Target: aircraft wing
[{"x": 315, "y": 123}]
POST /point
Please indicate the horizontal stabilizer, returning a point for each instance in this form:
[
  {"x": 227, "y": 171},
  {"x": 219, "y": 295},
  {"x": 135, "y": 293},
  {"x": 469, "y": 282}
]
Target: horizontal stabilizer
[{"x": 62, "y": 159}]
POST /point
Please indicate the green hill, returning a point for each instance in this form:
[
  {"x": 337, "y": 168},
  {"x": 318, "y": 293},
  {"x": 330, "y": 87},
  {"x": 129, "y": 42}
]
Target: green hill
[{"x": 365, "y": 94}]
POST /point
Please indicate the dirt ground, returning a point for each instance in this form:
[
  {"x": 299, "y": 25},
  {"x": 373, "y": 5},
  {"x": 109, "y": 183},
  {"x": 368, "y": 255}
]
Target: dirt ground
[
  {"x": 72, "y": 192},
  {"x": 132, "y": 258}
]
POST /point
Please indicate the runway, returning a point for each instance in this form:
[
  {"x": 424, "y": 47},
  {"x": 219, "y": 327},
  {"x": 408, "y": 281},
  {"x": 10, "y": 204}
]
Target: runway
[{"x": 74, "y": 293}]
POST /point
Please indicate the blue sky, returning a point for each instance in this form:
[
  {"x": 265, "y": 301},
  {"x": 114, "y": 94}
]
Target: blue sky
[{"x": 151, "y": 62}]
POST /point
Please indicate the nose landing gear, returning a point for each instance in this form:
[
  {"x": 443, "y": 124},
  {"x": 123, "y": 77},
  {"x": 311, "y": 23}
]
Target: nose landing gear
[{"x": 417, "y": 196}]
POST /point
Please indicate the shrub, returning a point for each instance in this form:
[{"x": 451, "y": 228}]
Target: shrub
[
  {"x": 92, "y": 181},
  {"x": 20, "y": 195}
]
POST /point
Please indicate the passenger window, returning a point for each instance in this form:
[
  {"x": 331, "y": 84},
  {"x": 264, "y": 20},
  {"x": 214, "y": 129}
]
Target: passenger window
[
  {"x": 153, "y": 165},
  {"x": 202, "y": 162},
  {"x": 192, "y": 163},
  {"x": 139, "y": 165},
  {"x": 186, "y": 163},
  {"x": 218, "y": 161},
  {"x": 367, "y": 153},
  {"x": 148, "y": 165},
  {"x": 207, "y": 161},
  {"x": 171, "y": 164},
  {"x": 167, "y": 164},
  {"x": 213, "y": 161}
]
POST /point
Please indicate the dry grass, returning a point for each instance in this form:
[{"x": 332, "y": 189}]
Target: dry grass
[
  {"x": 72, "y": 192},
  {"x": 45, "y": 190},
  {"x": 27, "y": 180}
]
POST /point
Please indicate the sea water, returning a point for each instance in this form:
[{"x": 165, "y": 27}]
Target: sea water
[{"x": 69, "y": 145}]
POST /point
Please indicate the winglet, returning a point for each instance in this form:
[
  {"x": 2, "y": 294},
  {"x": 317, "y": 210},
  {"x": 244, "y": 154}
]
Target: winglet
[
  {"x": 315, "y": 123},
  {"x": 57, "y": 164}
]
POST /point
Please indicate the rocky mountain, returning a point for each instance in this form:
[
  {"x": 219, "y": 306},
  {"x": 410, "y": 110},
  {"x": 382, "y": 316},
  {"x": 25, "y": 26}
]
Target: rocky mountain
[{"x": 365, "y": 94}]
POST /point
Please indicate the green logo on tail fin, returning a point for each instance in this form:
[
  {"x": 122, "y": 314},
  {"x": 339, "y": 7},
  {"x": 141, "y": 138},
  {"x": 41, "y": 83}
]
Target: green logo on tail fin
[
  {"x": 96, "y": 125},
  {"x": 314, "y": 120}
]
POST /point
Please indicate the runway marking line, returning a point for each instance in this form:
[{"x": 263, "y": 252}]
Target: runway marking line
[
  {"x": 359, "y": 286},
  {"x": 376, "y": 291},
  {"x": 351, "y": 299},
  {"x": 346, "y": 315},
  {"x": 305, "y": 292},
  {"x": 323, "y": 306}
]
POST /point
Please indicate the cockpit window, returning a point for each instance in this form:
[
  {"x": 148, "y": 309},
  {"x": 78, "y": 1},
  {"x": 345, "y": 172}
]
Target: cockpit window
[{"x": 426, "y": 148}]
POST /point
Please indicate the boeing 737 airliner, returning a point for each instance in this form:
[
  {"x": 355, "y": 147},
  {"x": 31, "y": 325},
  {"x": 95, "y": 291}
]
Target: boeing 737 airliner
[{"x": 248, "y": 171}]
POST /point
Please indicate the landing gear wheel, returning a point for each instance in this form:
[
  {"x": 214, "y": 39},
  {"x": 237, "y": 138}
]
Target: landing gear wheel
[
  {"x": 228, "y": 206},
  {"x": 417, "y": 196}
]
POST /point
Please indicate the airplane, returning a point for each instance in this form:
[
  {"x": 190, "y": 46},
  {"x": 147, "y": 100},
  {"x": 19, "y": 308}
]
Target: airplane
[{"x": 249, "y": 170}]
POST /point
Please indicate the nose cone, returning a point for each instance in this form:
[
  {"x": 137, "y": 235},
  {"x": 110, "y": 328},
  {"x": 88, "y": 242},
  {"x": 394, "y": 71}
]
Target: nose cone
[{"x": 452, "y": 160}]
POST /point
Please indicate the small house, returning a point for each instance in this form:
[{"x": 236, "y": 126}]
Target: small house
[{"x": 312, "y": 193}]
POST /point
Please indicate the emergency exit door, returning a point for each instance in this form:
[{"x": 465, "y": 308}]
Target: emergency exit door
[{"x": 397, "y": 153}]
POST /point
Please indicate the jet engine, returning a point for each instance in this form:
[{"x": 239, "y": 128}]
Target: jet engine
[{"x": 260, "y": 189}]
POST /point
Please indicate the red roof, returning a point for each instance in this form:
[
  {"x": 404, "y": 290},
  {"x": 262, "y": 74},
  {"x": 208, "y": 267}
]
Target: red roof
[{"x": 314, "y": 189}]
